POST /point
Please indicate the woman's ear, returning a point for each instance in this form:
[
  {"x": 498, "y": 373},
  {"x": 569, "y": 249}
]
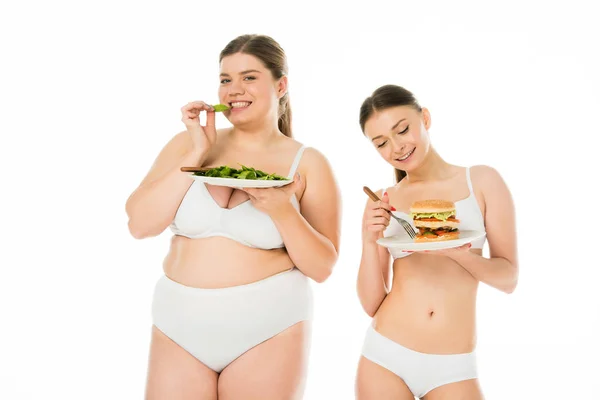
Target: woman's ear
[
  {"x": 282, "y": 87},
  {"x": 426, "y": 117}
]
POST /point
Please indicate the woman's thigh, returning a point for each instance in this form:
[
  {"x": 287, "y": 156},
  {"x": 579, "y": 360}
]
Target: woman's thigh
[
  {"x": 174, "y": 374},
  {"x": 272, "y": 370},
  {"x": 375, "y": 382}
]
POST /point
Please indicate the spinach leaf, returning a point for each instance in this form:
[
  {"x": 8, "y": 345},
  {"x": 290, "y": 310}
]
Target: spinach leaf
[
  {"x": 245, "y": 172},
  {"x": 220, "y": 107}
]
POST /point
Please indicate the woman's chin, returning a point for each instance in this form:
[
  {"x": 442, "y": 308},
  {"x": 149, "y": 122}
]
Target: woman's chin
[
  {"x": 403, "y": 166},
  {"x": 240, "y": 120},
  {"x": 237, "y": 120}
]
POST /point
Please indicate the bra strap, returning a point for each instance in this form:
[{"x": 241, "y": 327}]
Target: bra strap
[
  {"x": 469, "y": 180},
  {"x": 296, "y": 162}
]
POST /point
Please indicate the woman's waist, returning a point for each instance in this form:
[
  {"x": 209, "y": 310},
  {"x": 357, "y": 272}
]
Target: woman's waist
[
  {"x": 220, "y": 262},
  {"x": 273, "y": 297},
  {"x": 431, "y": 324}
]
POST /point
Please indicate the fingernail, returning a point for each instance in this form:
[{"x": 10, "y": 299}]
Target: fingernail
[
  {"x": 385, "y": 194},
  {"x": 392, "y": 208}
]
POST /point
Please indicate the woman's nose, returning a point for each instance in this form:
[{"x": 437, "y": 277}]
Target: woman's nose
[
  {"x": 398, "y": 146},
  {"x": 236, "y": 88}
]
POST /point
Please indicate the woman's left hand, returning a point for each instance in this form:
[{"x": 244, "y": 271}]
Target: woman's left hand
[{"x": 273, "y": 200}]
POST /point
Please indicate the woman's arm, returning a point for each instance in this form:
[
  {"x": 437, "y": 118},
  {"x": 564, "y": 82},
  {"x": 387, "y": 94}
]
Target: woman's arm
[
  {"x": 501, "y": 270},
  {"x": 373, "y": 283},
  {"x": 152, "y": 206},
  {"x": 312, "y": 237}
]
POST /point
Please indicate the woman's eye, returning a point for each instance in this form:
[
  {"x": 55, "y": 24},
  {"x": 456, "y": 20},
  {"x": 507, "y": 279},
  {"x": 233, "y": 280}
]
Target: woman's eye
[
  {"x": 381, "y": 144},
  {"x": 251, "y": 78},
  {"x": 224, "y": 81},
  {"x": 404, "y": 131}
]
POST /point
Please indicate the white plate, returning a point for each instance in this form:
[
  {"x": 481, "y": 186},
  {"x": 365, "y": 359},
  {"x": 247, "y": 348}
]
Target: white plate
[
  {"x": 398, "y": 244},
  {"x": 240, "y": 183}
]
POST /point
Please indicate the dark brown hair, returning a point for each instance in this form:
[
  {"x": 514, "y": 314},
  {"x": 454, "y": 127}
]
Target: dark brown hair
[
  {"x": 387, "y": 96},
  {"x": 270, "y": 53}
]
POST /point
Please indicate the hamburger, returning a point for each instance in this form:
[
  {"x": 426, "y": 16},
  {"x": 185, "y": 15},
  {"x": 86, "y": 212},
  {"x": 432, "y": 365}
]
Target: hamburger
[{"x": 435, "y": 220}]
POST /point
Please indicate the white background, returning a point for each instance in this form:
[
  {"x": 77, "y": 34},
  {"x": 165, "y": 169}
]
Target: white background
[{"x": 91, "y": 91}]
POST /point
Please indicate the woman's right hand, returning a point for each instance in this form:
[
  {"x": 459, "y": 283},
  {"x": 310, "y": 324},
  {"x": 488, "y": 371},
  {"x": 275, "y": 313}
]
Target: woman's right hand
[
  {"x": 377, "y": 218},
  {"x": 203, "y": 137}
]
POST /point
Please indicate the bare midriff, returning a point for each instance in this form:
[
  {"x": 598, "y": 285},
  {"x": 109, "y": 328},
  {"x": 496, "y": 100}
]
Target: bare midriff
[
  {"x": 218, "y": 262},
  {"x": 431, "y": 306}
]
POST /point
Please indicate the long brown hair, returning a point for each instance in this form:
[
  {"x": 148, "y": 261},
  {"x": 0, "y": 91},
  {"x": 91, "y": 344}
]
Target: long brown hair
[
  {"x": 270, "y": 53},
  {"x": 384, "y": 97}
]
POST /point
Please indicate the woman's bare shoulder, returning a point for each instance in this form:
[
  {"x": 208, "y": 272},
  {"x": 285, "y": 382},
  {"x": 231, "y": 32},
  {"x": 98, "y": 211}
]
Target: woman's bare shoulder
[
  {"x": 181, "y": 142},
  {"x": 485, "y": 176}
]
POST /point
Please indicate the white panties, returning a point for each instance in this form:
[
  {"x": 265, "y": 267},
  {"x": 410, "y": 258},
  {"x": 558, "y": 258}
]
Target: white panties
[
  {"x": 218, "y": 325},
  {"x": 422, "y": 372}
]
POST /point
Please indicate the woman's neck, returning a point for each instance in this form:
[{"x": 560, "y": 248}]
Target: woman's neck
[
  {"x": 433, "y": 168},
  {"x": 257, "y": 135}
]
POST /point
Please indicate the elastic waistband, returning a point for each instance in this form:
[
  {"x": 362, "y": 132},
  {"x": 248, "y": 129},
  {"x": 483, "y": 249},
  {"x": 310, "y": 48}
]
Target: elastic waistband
[
  {"x": 279, "y": 278},
  {"x": 379, "y": 337}
]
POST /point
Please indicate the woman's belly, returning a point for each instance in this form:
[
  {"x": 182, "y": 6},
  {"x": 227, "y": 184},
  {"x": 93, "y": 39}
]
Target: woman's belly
[
  {"x": 219, "y": 262},
  {"x": 431, "y": 307}
]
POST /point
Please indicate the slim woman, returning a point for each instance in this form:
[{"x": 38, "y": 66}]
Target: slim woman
[
  {"x": 422, "y": 338},
  {"x": 231, "y": 315}
]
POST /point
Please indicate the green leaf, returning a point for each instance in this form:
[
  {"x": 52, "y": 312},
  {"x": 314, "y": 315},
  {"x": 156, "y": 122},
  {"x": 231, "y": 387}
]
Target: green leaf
[
  {"x": 225, "y": 172},
  {"x": 245, "y": 172},
  {"x": 220, "y": 107},
  {"x": 442, "y": 216}
]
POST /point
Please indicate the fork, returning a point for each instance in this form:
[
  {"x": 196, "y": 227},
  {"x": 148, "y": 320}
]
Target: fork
[{"x": 407, "y": 226}]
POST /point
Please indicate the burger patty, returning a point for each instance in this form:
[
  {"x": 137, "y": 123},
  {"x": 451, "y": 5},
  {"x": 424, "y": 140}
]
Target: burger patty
[
  {"x": 430, "y": 236},
  {"x": 443, "y": 230}
]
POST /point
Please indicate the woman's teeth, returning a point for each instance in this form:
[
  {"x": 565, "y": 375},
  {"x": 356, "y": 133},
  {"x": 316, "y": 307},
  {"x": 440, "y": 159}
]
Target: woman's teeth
[
  {"x": 406, "y": 156},
  {"x": 240, "y": 104}
]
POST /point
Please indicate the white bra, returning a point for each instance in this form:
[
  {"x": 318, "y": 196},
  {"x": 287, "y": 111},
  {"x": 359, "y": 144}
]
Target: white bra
[
  {"x": 467, "y": 212},
  {"x": 199, "y": 216}
]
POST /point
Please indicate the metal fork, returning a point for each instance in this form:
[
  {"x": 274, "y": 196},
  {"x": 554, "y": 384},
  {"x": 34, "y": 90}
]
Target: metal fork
[{"x": 405, "y": 224}]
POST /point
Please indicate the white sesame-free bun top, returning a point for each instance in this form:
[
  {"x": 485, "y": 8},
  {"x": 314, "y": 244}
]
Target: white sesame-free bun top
[{"x": 432, "y": 206}]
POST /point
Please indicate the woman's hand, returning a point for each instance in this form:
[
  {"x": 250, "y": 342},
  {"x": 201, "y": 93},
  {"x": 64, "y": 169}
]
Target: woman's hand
[
  {"x": 376, "y": 218},
  {"x": 203, "y": 137},
  {"x": 274, "y": 200}
]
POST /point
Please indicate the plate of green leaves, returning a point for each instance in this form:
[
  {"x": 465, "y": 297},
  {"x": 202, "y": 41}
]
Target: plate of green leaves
[{"x": 243, "y": 177}]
